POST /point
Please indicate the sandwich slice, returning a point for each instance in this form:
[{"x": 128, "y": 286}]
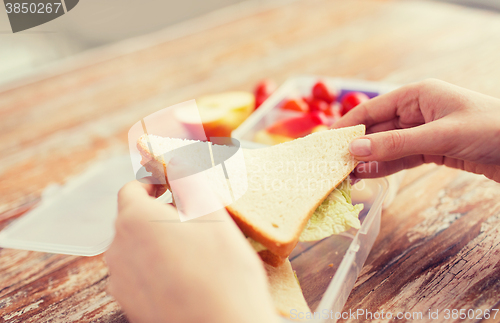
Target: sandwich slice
[
  {"x": 298, "y": 190},
  {"x": 285, "y": 289}
]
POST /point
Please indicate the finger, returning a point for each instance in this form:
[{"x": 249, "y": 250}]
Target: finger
[
  {"x": 455, "y": 163},
  {"x": 193, "y": 195},
  {"x": 383, "y": 126},
  {"x": 353, "y": 178},
  {"x": 393, "y": 124},
  {"x": 381, "y": 108},
  {"x": 374, "y": 169},
  {"x": 135, "y": 189},
  {"x": 432, "y": 138}
]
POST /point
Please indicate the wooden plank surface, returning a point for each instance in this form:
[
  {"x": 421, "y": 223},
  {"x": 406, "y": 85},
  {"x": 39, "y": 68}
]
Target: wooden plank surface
[
  {"x": 438, "y": 243},
  {"x": 442, "y": 253}
]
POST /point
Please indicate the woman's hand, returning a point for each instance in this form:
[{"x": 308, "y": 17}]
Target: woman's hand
[
  {"x": 427, "y": 122},
  {"x": 203, "y": 270}
]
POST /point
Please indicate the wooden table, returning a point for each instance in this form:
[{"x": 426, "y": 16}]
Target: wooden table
[{"x": 438, "y": 245}]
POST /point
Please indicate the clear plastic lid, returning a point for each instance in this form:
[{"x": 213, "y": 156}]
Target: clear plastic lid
[{"x": 76, "y": 218}]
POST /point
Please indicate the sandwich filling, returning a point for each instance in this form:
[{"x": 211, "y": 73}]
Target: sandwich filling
[{"x": 335, "y": 215}]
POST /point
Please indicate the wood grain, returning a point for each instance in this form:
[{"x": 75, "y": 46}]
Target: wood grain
[
  {"x": 440, "y": 254},
  {"x": 438, "y": 243}
]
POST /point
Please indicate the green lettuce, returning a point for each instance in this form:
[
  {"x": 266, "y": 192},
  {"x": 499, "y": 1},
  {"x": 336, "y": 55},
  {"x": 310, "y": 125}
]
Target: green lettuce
[{"x": 335, "y": 215}]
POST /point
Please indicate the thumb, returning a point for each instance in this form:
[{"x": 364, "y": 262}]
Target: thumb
[
  {"x": 193, "y": 195},
  {"x": 428, "y": 139}
]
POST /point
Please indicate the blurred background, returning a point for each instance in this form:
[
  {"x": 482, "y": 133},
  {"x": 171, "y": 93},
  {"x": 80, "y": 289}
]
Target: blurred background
[{"x": 95, "y": 23}]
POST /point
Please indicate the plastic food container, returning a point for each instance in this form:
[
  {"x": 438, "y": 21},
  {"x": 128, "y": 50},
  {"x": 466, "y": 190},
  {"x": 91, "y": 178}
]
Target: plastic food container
[
  {"x": 326, "y": 269},
  {"x": 299, "y": 86}
]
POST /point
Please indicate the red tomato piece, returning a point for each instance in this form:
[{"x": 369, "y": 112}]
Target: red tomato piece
[
  {"x": 319, "y": 118},
  {"x": 334, "y": 110},
  {"x": 318, "y": 105},
  {"x": 259, "y": 99},
  {"x": 351, "y": 100},
  {"x": 297, "y": 127},
  {"x": 263, "y": 90},
  {"x": 321, "y": 92},
  {"x": 307, "y": 99},
  {"x": 295, "y": 105}
]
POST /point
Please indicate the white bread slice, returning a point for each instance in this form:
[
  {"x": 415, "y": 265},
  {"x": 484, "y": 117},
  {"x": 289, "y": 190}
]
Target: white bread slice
[
  {"x": 285, "y": 290},
  {"x": 286, "y": 182}
]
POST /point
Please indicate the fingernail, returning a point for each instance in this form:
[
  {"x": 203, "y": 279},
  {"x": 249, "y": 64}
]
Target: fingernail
[{"x": 361, "y": 147}]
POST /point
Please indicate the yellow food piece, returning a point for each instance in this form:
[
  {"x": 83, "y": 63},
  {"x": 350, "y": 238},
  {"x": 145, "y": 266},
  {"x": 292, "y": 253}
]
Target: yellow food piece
[
  {"x": 320, "y": 128},
  {"x": 266, "y": 138}
]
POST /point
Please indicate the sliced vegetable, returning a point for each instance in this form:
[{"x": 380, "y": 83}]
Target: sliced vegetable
[
  {"x": 335, "y": 215},
  {"x": 351, "y": 100},
  {"x": 297, "y": 127},
  {"x": 263, "y": 90},
  {"x": 295, "y": 105},
  {"x": 318, "y": 105},
  {"x": 321, "y": 92}
]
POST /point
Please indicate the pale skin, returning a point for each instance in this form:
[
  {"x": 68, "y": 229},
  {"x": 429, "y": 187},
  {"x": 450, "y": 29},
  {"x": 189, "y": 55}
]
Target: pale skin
[
  {"x": 202, "y": 270},
  {"x": 205, "y": 271},
  {"x": 427, "y": 122}
]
